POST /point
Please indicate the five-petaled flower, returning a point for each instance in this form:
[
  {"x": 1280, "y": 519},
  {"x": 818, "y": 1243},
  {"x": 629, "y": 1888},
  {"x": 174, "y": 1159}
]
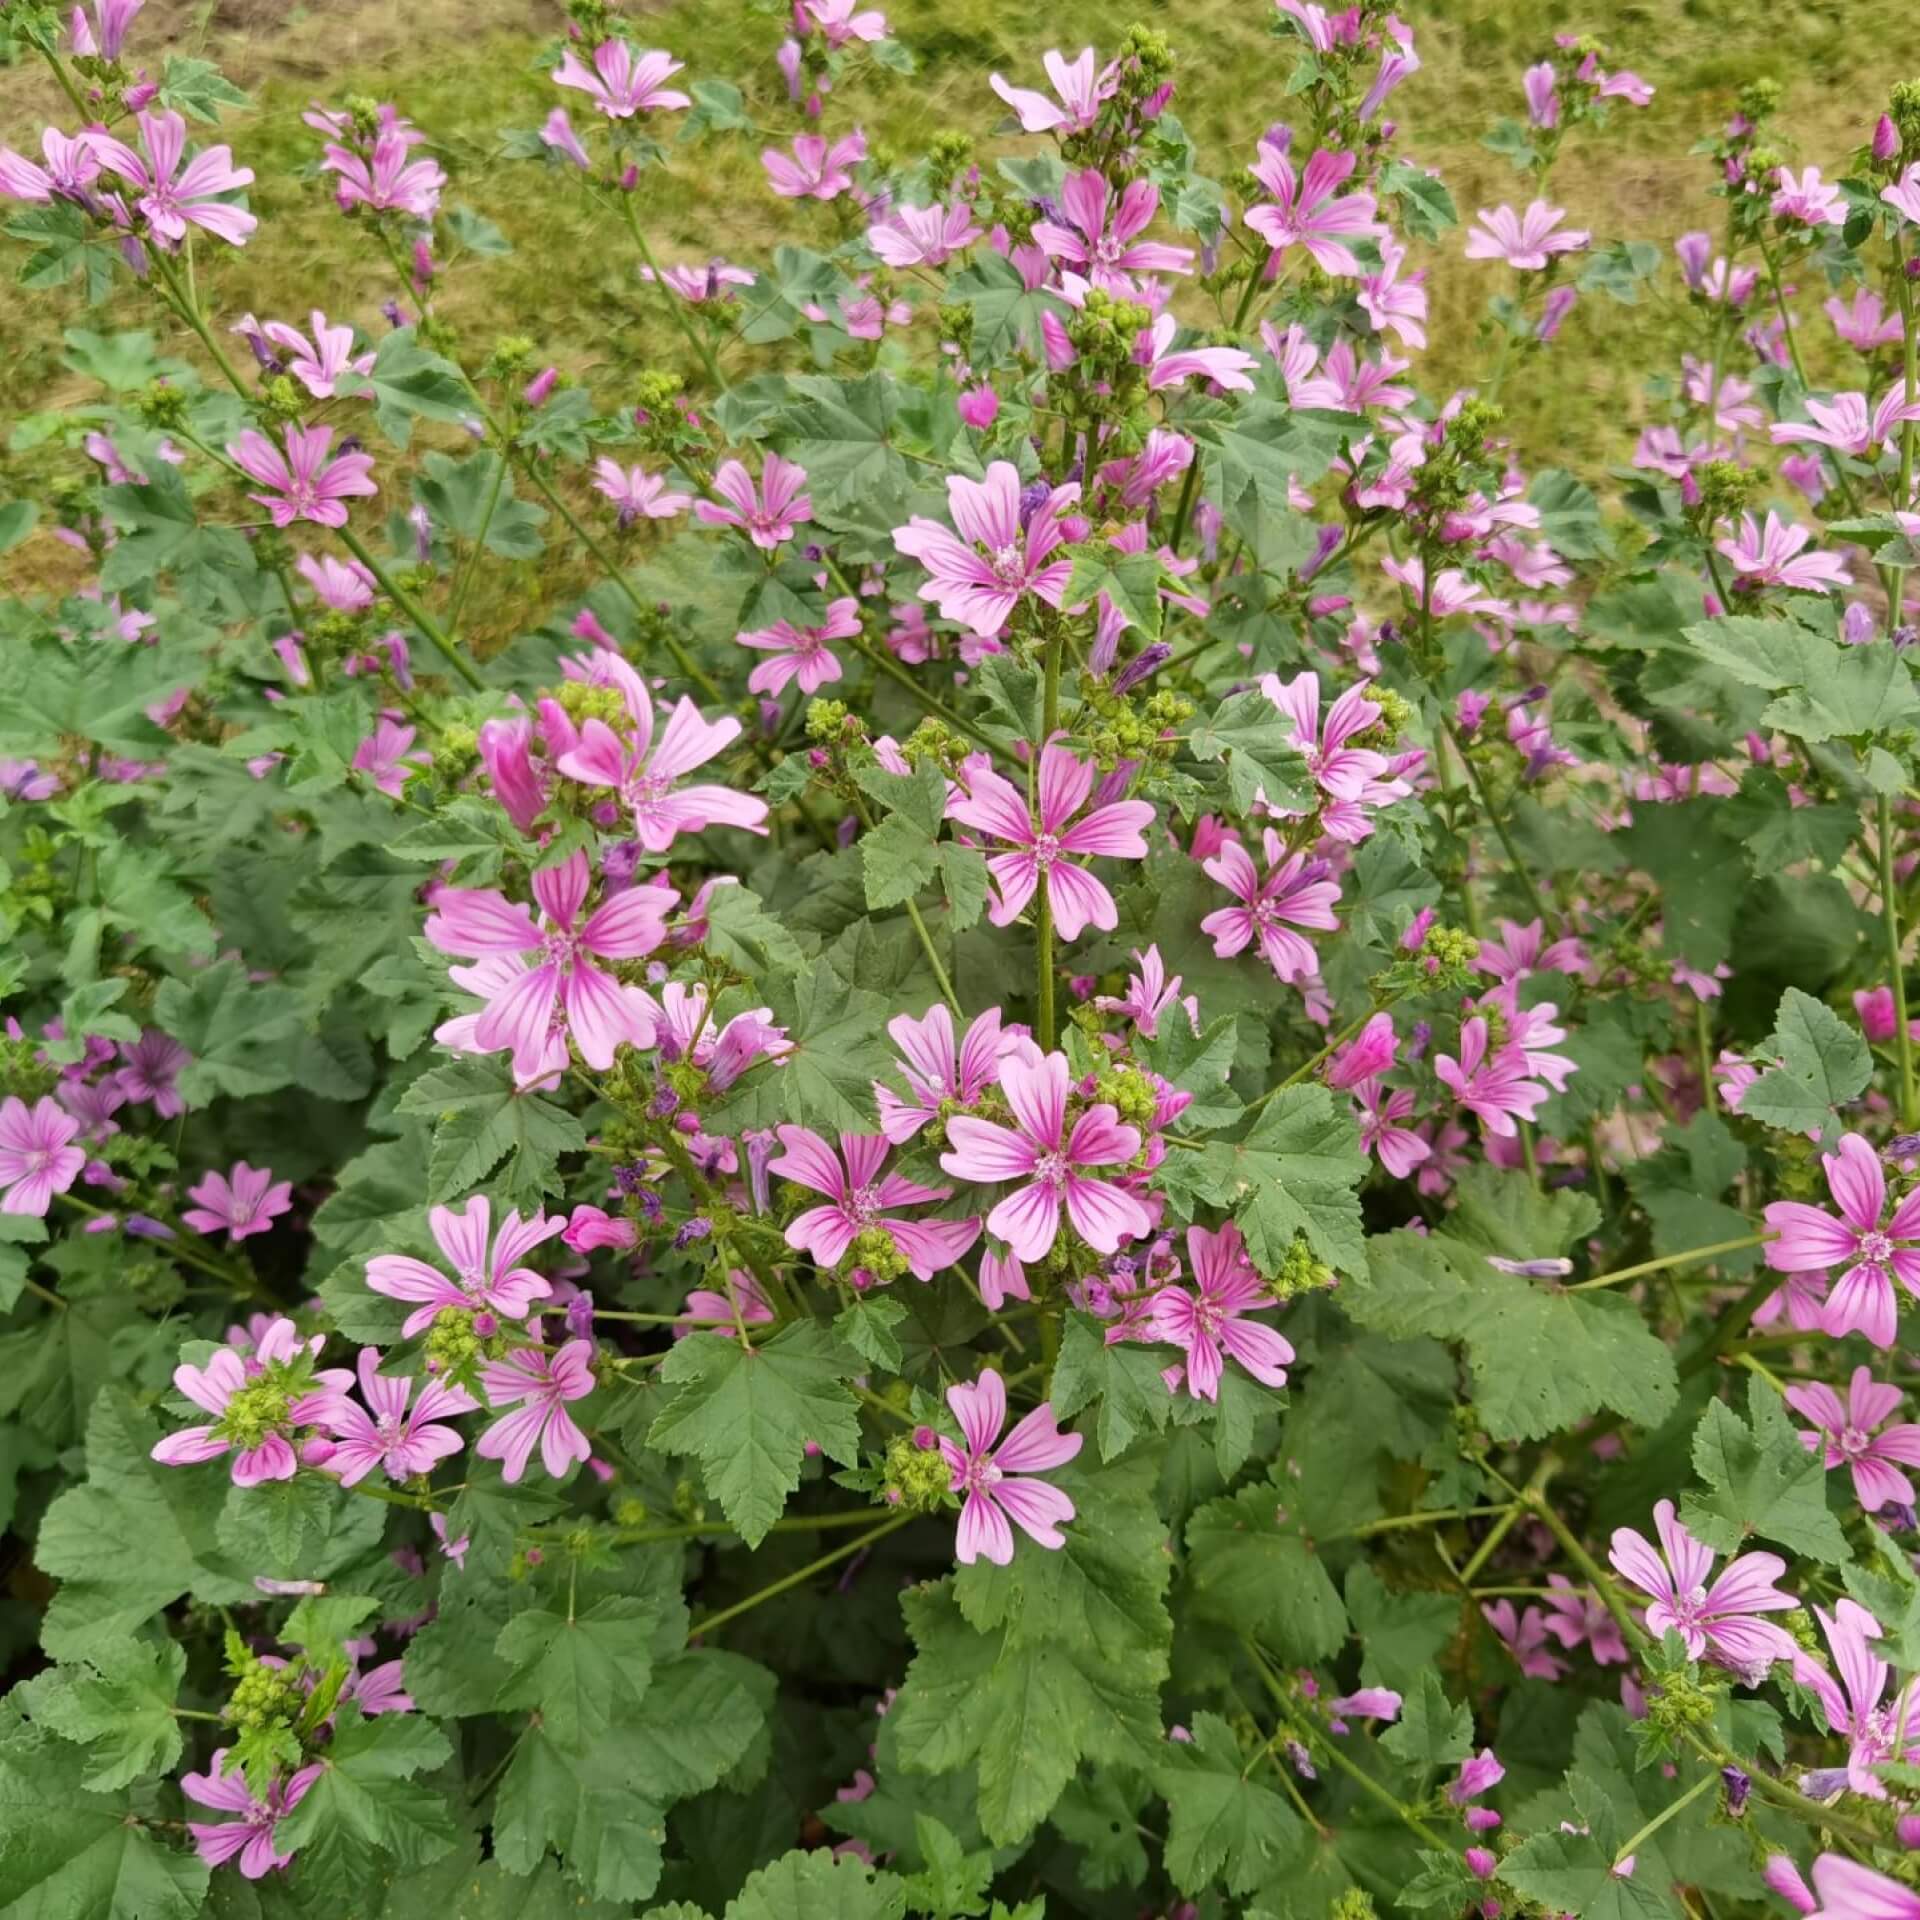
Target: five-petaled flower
[
  {"x": 1308, "y": 209},
  {"x": 767, "y": 517},
  {"x": 1875, "y": 1248},
  {"x": 538, "y": 1386},
  {"x": 305, "y": 484},
  {"x": 1099, "y": 236},
  {"x": 1294, "y": 892},
  {"x": 1525, "y": 241},
  {"x": 249, "y": 1839},
  {"x": 621, "y": 83},
  {"x": 171, "y": 197},
  {"x": 1001, "y": 552},
  {"x": 246, "y": 1200},
  {"x": 256, "y": 1404},
  {"x": 489, "y": 1277},
  {"x": 994, "y": 1476},
  {"x": 1844, "y": 1433},
  {"x": 862, "y": 1200},
  {"x": 1211, "y": 1322},
  {"x": 37, "y": 1156},
  {"x": 386, "y": 1432}
]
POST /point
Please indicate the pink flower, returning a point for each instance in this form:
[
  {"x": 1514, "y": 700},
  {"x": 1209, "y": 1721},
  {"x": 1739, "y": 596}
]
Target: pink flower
[
  {"x": 37, "y": 1157},
  {"x": 1864, "y": 322},
  {"x": 1228, "y": 368},
  {"x": 152, "y": 1065},
  {"x": 1845, "y": 1433},
  {"x": 343, "y": 585},
  {"x": 255, "y": 1405},
  {"x": 994, "y": 1477},
  {"x": 490, "y": 1280},
  {"x": 1543, "y": 103},
  {"x": 840, "y": 23},
  {"x": 1380, "y": 1112},
  {"x": 619, "y": 84},
  {"x": 1524, "y": 1635},
  {"x": 1577, "y": 1614},
  {"x": 860, "y": 1200},
  {"x": 385, "y": 1433},
  {"x": 1295, "y": 892},
  {"x": 589, "y": 1228},
  {"x": 242, "y": 1202},
  {"x": 384, "y": 757},
  {"x": 72, "y": 167},
  {"x": 1845, "y": 424},
  {"x": 1717, "y": 1619},
  {"x": 636, "y": 493},
  {"x": 1525, "y": 241},
  {"x": 1495, "y": 1089},
  {"x": 978, "y": 407},
  {"x": 1099, "y": 237},
  {"x": 815, "y": 171},
  {"x": 923, "y": 236},
  {"x": 1046, "y": 851},
  {"x": 1307, "y": 209},
  {"x": 935, "y": 1071},
  {"x": 801, "y": 653},
  {"x": 250, "y": 1837},
  {"x": 1904, "y": 195},
  {"x": 1801, "y": 1297},
  {"x": 1875, "y": 1733},
  {"x": 1369, "y": 1703},
  {"x": 540, "y": 1385},
  {"x": 306, "y": 484},
  {"x": 385, "y": 179},
  {"x": 1849, "y": 1891},
  {"x": 1211, "y": 1323},
  {"x": 1809, "y": 1240},
  {"x": 1391, "y": 302},
  {"x": 1807, "y": 200},
  {"x": 1340, "y": 771},
  {"x": 1038, "y": 1150},
  {"x": 697, "y": 285},
  {"x": 714, "y": 1311},
  {"x": 172, "y": 199},
  {"x": 768, "y": 517},
  {"x": 1000, "y": 553},
  {"x": 1082, "y": 94},
  {"x": 504, "y": 746},
  {"x": 1771, "y": 557},
  {"x": 644, "y": 772},
  {"x": 558, "y": 134},
  {"x": 113, "y": 18},
  {"x": 1150, "y": 996},
  {"x": 562, "y": 988},
  {"x": 317, "y": 363}
]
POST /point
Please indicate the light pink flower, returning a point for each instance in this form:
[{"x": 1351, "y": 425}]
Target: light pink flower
[
  {"x": 1525, "y": 241},
  {"x": 1211, "y": 1323},
  {"x": 172, "y": 198},
  {"x": 1294, "y": 892},
  {"x": 993, "y": 1475},
  {"x": 1308, "y": 210},
  {"x": 1543, "y": 102},
  {"x": 767, "y": 517},
  {"x": 384, "y": 178},
  {"x": 37, "y": 1157},
  {"x": 1845, "y": 1433},
  {"x": 72, "y": 167},
  {"x": 923, "y": 236},
  {"x": 1038, "y": 1151},
  {"x": 562, "y": 988},
  {"x": 490, "y": 1278},
  {"x": 1391, "y": 302},
  {"x": 1494, "y": 1088},
  {"x": 636, "y": 493},
  {"x": 248, "y": 1839},
  {"x": 644, "y": 772},
  {"x": 1904, "y": 195},
  {"x": 1576, "y": 1615},
  {"x": 1099, "y": 236},
  {"x": 1846, "y": 1889},
  {"x": 539, "y": 1386},
  {"x": 1524, "y": 1635},
  {"x": 1809, "y": 1239},
  {"x": 1228, "y": 368},
  {"x": 843, "y": 21},
  {"x": 306, "y": 484},
  {"x": 558, "y": 134},
  {"x": 1719, "y": 1619},
  {"x": 1807, "y": 200},
  {"x": 936, "y": 1071},
  {"x": 713, "y": 1312},
  {"x": 112, "y": 18},
  {"x": 277, "y": 1394},
  {"x": 343, "y": 585},
  {"x": 1082, "y": 93},
  {"x": 1001, "y": 551},
  {"x": 1340, "y": 771},
  {"x": 1381, "y": 1112},
  {"x": 317, "y": 362},
  {"x": 698, "y": 285},
  {"x": 860, "y": 1200},
  {"x": 1876, "y": 1730},
  {"x": 385, "y": 756},
  {"x": 245, "y": 1201},
  {"x": 620, "y": 84},
  {"x": 1047, "y": 850},
  {"x": 801, "y": 653},
  {"x": 1150, "y": 996},
  {"x": 815, "y": 170},
  {"x": 1845, "y": 423},
  {"x": 385, "y": 1433}
]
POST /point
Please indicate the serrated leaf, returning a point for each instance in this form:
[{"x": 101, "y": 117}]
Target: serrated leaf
[
  {"x": 581, "y": 1674},
  {"x": 1256, "y": 740},
  {"x": 119, "y": 1706},
  {"x": 1760, "y": 1480},
  {"x": 1250, "y": 1571},
  {"x": 1824, "y": 1063},
  {"x": 1224, "y": 1822}
]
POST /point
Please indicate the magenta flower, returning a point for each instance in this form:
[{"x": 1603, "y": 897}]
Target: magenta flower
[
  {"x": 644, "y": 772},
  {"x": 1099, "y": 237},
  {"x": 1577, "y": 1614},
  {"x": 1382, "y": 1113},
  {"x": 994, "y": 1478},
  {"x": 1807, "y": 200},
  {"x": 767, "y": 517},
  {"x": 1340, "y": 771},
  {"x": 490, "y": 1281},
  {"x": 37, "y": 1155},
  {"x": 256, "y": 1404},
  {"x": 1849, "y": 1891},
  {"x": 1718, "y": 1619},
  {"x": 1226, "y": 367},
  {"x": 1000, "y": 553},
  {"x": 1543, "y": 102},
  {"x": 1875, "y": 1733},
  {"x": 698, "y": 285},
  {"x": 558, "y": 136},
  {"x": 636, "y": 493},
  {"x": 1295, "y": 892},
  {"x": 1039, "y": 1151},
  {"x": 386, "y": 757},
  {"x": 1211, "y": 1322},
  {"x": 72, "y": 167},
  {"x": 249, "y": 1838},
  {"x": 318, "y": 362},
  {"x": 620, "y": 84},
  {"x": 343, "y": 585},
  {"x": 923, "y": 236},
  {"x": 1307, "y": 209},
  {"x": 1390, "y": 302},
  {"x": 801, "y": 653},
  {"x": 539, "y": 1386},
  {"x": 1846, "y": 1433},
  {"x": 245, "y": 1201},
  {"x": 1770, "y": 556},
  {"x": 111, "y": 18},
  {"x": 714, "y": 1312},
  {"x": 1524, "y": 1635},
  {"x": 1150, "y": 996},
  {"x": 1904, "y": 195},
  {"x": 306, "y": 484},
  {"x": 1494, "y": 1088},
  {"x": 1809, "y": 1240},
  {"x": 173, "y": 199},
  {"x": 814, "y": 170},
  {"x": 860, "y": 1200},
  {"x": 384, "y": 178},
  {"x": 384, "y": 1433},
  {"x": 1525, "y": 241},
  {"x": 1845, "y": 423},
  {"x": 152, "y": 1066},
  {"x": 1082, "y": 93},
  {"x": 562, "y": 988},
  {"x": 935, "y": 1071},
  {"x": 1045, "y": 851},
  {"x": 1368, "y": 1703}
]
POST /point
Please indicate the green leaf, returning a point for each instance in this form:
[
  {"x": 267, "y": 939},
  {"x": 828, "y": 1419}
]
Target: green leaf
[
  {"x": 818, "y": 1886},
  {"x": 747, "y": 1413},
  {"x": 482, "y": 1118},
  {"x": 473, "y": 497},
  {"x": 1123, "y": 1378},
  {"x": 747, "y": 937},
  {"x": 119, "y": 1706},
  {"x": 1432, "y": 1731},
  {"x": 17, "y": 520},
  {"x": 953, "y": 1883},
  {"x": 1256, "y": 740},
  {"x": 1131, "y": 581},
  {"x": 866, "y": 1324},
  {"x": 1248, "y": 1572},
  {"x": 839, "y": 430},
  {"x": 580, "y": 1674},
  {"x": 1760, "y": 1481},
  {"x": 1399, "y": 1633},
  {"x": 1824, "y": 1064},
  {"x": 897, "y": 859},
  {"x": 839, "y": 1049},
  {"x": 408, "y": 383},
  {"x": 1224, "y": 1822},
  {"x": 1426, "y": 207},
  {"x": 239, "y": 1031}
]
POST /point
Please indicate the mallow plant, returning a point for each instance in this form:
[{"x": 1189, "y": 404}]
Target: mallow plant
[{"x": 1127, "y": 1127}]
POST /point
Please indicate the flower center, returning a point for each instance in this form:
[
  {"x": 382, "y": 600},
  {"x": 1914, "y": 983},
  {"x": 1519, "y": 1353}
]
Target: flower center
[
  {"x": 1687, "y": 1608},
  {"x": 1050, "y": 1171},
  {"x": 1876, "y": 1248},
  {"x": 1854, "y": 1442},
  {"x": 1009, "y": 563},
  {"x": 1107, "y": 251},
  {"x": 1046, "y": 850},
  {"x": 864, "y": 1205},
  {"x": 562, "y": 949},
  {"x": 253, "y": 1413},
  {"x": 980, "y": 1474},
  {"x": 392, "y": 1429}
]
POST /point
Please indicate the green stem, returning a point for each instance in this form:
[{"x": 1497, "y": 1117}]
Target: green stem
[
  {"x": 1890, "y": 919},
  {"x": 1542, "y": 1474},
  {"x": 1043, "y": 923},
  {"x": 667, "y": 294},
  {"x": 1432, "y": 1517},
  {"x": 1497, "y": 822},
  {"x": 1660, "y": 1819},
  {"x": 1786, "y": 325},
  {"x": 467, "y": 572},
  {"x": 45, "y": 1293},
  {"x": 1690, "y": 1257},
  {"x": 933, "y": 704},
  {"x": 701, "y": 1529},
  {"x": 408, "y": 605},
  {"x": 710, "y": 1622}
]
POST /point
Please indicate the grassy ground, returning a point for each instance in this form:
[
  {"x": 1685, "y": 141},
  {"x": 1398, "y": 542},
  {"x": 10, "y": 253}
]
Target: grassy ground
[{"x": 465, "y": 69}]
